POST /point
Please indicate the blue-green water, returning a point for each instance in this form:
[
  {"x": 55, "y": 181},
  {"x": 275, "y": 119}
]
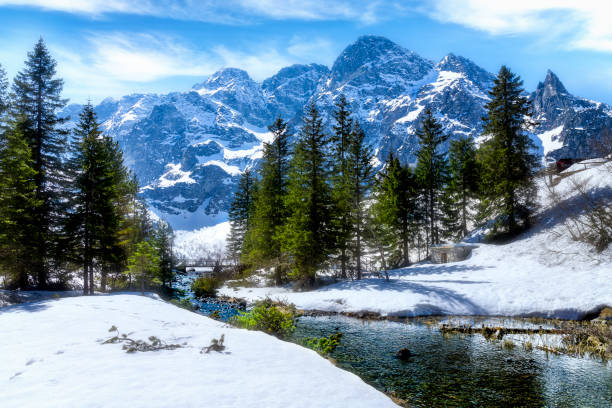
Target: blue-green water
[{"x": 452, "y": 371}]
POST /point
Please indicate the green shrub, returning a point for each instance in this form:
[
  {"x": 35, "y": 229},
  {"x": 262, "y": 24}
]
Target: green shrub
[
  {"x": 205, "y": 286},
  {"x": 324, "y": 345},
  {"x": 278, "y": 320},
  {"x": 184, "y": 303}
]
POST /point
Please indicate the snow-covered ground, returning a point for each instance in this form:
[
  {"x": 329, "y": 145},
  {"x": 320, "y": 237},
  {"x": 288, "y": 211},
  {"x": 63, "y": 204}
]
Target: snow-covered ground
[
  {"x": 543, "y": 272},
  {"x": 51, "y": 355},
  {"x": 205, "y": 242}
]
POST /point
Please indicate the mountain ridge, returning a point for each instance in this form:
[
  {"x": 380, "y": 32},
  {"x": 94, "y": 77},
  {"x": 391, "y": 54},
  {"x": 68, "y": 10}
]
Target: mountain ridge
[{"x": 189, "y": 148}]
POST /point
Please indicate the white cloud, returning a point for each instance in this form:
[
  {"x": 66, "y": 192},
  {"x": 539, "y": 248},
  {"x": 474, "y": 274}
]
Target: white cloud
[
  {"x": 114, "y": 64},
  {"x": 576, "y": 24},
  {"x": 226, "y": 11}
]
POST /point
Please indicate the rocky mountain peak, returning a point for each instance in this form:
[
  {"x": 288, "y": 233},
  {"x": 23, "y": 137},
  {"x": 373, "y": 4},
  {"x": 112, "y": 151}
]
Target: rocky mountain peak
[
  {"x": 371, "y": 59},
  {"x": 552, "y": 84},
  {"x": 462, "y": 65},
  {"x": 225, "y": 77}
]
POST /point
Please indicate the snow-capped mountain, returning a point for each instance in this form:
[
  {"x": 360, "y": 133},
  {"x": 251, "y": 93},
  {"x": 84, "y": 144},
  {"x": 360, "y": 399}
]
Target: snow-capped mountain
[{"x": 189, "y": 148}]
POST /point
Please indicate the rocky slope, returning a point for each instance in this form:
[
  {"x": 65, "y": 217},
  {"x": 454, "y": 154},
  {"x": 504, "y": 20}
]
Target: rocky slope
[{"x": 189, "y": 148}]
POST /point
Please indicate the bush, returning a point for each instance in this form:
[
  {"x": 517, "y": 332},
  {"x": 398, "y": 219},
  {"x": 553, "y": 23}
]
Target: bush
[
  {"x": 278, "y": 320},
  {"x": 205, "y": 286},
  {"x": 324, "y": 345}
]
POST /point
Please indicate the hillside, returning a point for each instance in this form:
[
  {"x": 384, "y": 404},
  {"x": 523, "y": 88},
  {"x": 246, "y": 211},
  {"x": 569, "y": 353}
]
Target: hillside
[
  {"x": 542, "y": 272},
  {"x": 189, "y": 148}
]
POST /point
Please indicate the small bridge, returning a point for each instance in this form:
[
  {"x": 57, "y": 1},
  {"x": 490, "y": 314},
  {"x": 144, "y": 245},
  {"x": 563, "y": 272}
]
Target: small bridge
[{"x": 205, "y": 263}]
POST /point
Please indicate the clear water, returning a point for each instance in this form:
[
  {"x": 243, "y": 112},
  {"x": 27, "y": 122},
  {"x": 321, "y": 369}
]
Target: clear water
[
  {"x": 449, "y": 371},
  {"x": 460, "y": 371}
]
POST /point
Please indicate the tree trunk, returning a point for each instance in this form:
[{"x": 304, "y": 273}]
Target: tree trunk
[{"x": 85, "y": 278}]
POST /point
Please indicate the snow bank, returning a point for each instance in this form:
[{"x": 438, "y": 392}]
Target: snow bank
[
  {"x": 203, "y": 242},
  {"x": 52, "y": 356}
]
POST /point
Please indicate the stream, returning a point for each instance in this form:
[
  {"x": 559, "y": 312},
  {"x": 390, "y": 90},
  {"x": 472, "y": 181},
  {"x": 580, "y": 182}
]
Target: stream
[{"x": 456, "y": 370}]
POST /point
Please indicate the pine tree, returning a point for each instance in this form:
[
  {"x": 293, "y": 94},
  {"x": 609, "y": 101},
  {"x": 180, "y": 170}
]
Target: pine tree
[
  {"x": 507, "y": 159},
  {"x": 461, "y": 189},
  {"x": 270, "y": 213},
  {"x": 394, "y": 210},
  {"x": 36, "y": 95},
  {"x": 18, "y": 203},
  {"x": 431, "y": 170},
  {"x": 144, "y": 264},
  {"x": 306, "y": 236},
  {"x": 163, "y": 240},
  {"x": 241, "y": 215},
  {"x": 360, "y": 175},
  {"x": 99, "y": 173},
  {"x": 341, "y": 188}
]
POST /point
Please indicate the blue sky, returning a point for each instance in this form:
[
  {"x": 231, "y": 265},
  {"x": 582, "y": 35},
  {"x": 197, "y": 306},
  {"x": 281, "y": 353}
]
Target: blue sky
[{"x": 116, "y": 47}]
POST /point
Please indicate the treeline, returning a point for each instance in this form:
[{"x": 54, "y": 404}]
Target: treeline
[
  {"x": 317, "y": 203},
  {"x": 68, "y": 204}
]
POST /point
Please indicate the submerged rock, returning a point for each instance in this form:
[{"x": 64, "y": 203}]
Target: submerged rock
[{"x": 403, "y": 354}]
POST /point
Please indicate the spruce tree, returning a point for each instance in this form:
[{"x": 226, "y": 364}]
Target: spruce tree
[
  {"x": 431, "y": 170},
  {"x": 270, "y": 214},
  {"x": 507, "y": 159},
  {"x": 163, "y": 240},
  {"x": 241, "y": 215},
  {"x": 394, "y": 208},
  {"x": 37, "y": 96},
  {"x": 360, "y": 175},
  {"x": 96, "y": 213},
  {"x": 306, "y": 236},
  {"x": 341, "y": 188},
  {"x": 18, "y": 204},
  {"x": 461, "y": 189},
  {"x": 144, "y": 264}
]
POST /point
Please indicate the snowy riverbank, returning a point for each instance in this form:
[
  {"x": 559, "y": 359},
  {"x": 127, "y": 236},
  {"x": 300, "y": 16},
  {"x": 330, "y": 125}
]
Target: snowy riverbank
[
  {"x": 543, "y": 272},
  {"x": 52, "y": 355}
]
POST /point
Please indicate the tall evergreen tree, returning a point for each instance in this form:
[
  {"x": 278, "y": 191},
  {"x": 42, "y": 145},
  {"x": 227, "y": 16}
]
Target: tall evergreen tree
[
  {"x": 431, "y": 170},
  {"x": 359, "y": 179},
  {"x": 461, "y": 189},
  {"x": 241, "y": 215},
  {"x": 163, "y": 240},
  {"x": 270, "y": 215},
  {"x": 507, "y": 159},
  {"x": 394, "y": 209},
  {"x": 18, "y": 203},
  {"x": 37, "y": 96},
  {"x": 95, "y": 219},
  {"x": 307, "y": 236},
  {"x": 341, "y": 188}
]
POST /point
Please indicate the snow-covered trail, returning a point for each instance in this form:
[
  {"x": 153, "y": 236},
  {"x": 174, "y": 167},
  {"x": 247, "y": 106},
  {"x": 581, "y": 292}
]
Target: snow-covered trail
[{"x": 51, "y": 355}]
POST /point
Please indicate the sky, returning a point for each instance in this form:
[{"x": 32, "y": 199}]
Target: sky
[{"x": 117, "y": 47}]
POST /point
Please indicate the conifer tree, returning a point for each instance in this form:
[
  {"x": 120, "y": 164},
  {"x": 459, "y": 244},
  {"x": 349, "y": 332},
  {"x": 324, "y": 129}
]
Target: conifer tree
[
  {"x": 306, "y": 235},
  {"x": 18, "y": 204},
  {"x": 507, "y": 159},
  {"x": 431, "y": 170},
  {"x": 241, "y": 215},
  {"x": 270, "y": 213},
  {"x": 163, "y": 240},
  {"x": 461, "y": 188},
  {"x": 99, "y": 174},
  {"x": 359, "y": 179},
  {"x": 37, "y": 96},
  {"x": 394, "y": 210},
  {"x": 341, "y": 188},
  {"x": 144, "y": 264}
]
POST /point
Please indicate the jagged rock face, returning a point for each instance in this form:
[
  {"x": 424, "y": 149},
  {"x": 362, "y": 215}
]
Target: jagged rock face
[
  {"x": 291, "y": 88},
  {"x": 574, "y": 125},
  {"x": 189, "y": 148}
]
